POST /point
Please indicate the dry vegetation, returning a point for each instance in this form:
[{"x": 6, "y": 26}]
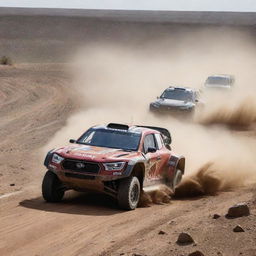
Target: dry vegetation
[{"x": 4, "y": 60}]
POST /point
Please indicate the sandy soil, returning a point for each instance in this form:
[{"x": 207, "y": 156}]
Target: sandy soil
[
  {"x": 91, "y": 225},
  {"x": 34, "y": 105}
]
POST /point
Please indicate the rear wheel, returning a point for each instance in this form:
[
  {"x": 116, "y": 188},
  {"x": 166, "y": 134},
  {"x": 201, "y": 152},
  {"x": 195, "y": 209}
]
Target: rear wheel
[
  {"x": 52, "y": 190},
  {"x": 129, "y": 193},
  {"x": 177, "y": 179}
]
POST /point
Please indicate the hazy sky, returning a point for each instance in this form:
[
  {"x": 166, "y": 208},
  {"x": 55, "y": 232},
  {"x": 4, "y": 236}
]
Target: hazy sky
[{"x": 189, "y": 5}]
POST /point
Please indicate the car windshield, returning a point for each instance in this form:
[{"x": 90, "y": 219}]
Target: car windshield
[
  {"x": 177, "y": 94},
  {"x": 111, "y": 138},
  {"x": 217, "y": 80}
]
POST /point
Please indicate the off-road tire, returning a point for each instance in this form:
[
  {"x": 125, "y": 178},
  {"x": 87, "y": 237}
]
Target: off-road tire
[
  {"x": 129, "y": 193},
  {"x": 51, "y": 188},
  {"x": 176, "y": 179}
]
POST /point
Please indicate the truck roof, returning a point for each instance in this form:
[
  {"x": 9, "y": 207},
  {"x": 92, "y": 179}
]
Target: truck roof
[
  {"x": 183, "y": 88},
  {"x": 125, "y": 127}
]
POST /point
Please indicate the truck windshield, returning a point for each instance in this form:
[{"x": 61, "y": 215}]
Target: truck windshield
[
  {"x": 177, "y": 94},
  {"x": 111, "y": 138},
  {"x": 217, "y": 80}
]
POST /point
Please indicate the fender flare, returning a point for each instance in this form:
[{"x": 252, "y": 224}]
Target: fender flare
[
  {"x": 178, "y": 162},
  {"x": 48, "y": 158},
  {"x": 130, "y": 169}
]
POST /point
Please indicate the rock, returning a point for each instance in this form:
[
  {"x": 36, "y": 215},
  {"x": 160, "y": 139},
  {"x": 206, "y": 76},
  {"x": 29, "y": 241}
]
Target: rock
[
  {"x": 161, "y": 232},
  {"x": 238, "y": 228},
  {"x": 238, "y": 210},
  {"x": 216, "y": 216},
  {"x": 185, "y": 238},
  {"x": 196, "y": 253},
  {"x": 12, "y": 184}
]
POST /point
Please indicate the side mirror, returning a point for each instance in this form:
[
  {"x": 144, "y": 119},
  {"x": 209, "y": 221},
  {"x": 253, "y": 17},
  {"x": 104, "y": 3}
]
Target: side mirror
[
  {"x": 151, "y": 150},
  {"x": 167, "y": 140},
  {"x": 168, "y": 146},
  {"x": 72, "y": 141}
]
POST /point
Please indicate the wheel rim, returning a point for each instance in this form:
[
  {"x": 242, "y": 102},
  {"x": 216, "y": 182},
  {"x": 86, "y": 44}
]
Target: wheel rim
[
  {"x": 134, "y": 196},
  {"x": 177, "y": 179}
]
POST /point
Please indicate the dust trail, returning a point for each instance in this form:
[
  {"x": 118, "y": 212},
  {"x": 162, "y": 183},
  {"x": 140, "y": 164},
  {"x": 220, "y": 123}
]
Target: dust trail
[
  {"x": 239, "y": 114},
  {"x": 116, "y": 84},
  {"x": 210, "y": 180}
]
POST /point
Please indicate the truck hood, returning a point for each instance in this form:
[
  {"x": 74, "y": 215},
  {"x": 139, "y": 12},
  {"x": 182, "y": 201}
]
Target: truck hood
[
  {"x": 173, "y": 103},
  {"x": 93, "y": 153}
]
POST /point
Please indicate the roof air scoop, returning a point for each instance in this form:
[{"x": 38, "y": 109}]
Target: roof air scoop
[{"x": 118, "y": 126}]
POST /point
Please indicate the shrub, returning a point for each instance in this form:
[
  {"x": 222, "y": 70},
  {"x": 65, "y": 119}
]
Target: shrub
[{"x": 5, "y": 60}]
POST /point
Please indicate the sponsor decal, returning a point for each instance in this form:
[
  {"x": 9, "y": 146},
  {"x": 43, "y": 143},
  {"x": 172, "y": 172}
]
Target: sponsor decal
[
  {"x": 117, "y": 173},
  {"x": 105, "y": 151},
  {"x": 172, "y": 163},
  {"x": 85, "y": 155},
  {"x": 52, "y": 166},
  {"x": 83, "y": 148},
  {"x": 91, "y": 150}
]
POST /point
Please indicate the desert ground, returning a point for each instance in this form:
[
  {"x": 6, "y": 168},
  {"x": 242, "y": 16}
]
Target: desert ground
[{"x": 69, "y": 73}]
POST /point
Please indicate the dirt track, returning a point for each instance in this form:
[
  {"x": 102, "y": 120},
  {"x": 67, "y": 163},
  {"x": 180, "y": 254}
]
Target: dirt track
[
  {"x": 34, "y": 105},
  {"x": 93, "y": 226}
]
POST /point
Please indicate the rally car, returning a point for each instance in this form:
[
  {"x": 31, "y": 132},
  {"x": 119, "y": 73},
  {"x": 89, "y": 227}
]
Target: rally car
[
  {"x": 219, "y": 82},
  {"x": 176, "y": 100},
  {"x": 115, "y": 159}
]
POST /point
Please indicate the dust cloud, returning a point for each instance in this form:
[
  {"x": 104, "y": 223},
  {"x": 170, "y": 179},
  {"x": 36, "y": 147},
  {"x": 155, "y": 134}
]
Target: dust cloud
[{"x": 114, "y": 83}]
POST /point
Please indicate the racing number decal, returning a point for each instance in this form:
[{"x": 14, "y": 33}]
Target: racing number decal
[
  {"x": 153, "y": 167},
  {"x": 153, "y": 157}
]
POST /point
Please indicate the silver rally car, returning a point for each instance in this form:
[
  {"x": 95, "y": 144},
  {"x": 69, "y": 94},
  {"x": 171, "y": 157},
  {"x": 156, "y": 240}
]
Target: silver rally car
[
  {"x": 176, "y": 99},
  {"x": 220, "y": 82}
]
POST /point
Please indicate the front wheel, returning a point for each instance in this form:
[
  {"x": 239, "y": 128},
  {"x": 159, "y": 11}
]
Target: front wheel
[
  {"x": 129, "y": 193},
  {"x": 52, "y": 190}
]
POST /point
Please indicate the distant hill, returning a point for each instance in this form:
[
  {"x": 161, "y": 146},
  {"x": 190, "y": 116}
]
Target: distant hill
[
  {"x": 54, "y": 34},
  {"x": 222, "y": 18}
]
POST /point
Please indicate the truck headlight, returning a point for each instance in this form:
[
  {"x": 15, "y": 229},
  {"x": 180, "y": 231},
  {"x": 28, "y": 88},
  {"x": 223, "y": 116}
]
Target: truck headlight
[
  {"x": 114, "y": 166},
  {"x": 56, "y": 158},
  {"x": 187, "y": 107},
  {"x": 154, "y": 105}
]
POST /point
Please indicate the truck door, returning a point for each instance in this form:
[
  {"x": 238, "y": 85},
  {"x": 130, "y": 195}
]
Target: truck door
[{"x": 153, "y": 157}]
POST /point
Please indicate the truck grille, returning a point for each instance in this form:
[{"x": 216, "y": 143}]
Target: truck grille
[
  {"x": 80, "y": 166},
  {"x": 169, "y": 108},
  {"x": 79, "y": 176}
]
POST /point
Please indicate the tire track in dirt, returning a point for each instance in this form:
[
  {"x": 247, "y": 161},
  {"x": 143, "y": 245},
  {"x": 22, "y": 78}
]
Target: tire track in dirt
[{"x": 34, "y": 103}]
